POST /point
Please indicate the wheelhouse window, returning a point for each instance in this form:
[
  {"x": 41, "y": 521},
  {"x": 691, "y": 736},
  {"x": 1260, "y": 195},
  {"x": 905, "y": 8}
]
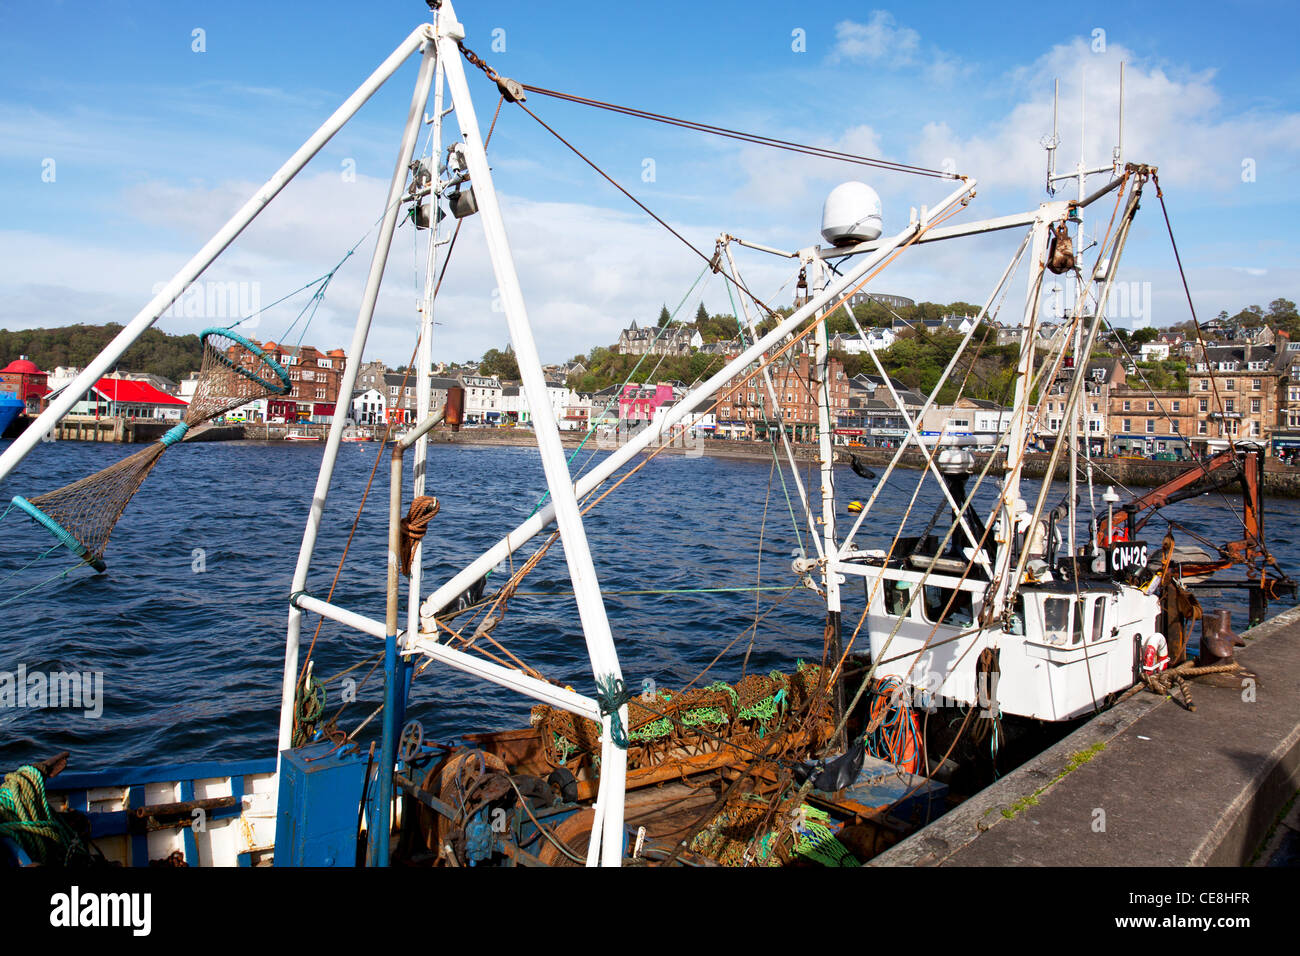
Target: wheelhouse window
[
  {"x": 948, "y": 606},
  {"x": 897, "y": 594},
  {"x": 1057, "y": 624}
]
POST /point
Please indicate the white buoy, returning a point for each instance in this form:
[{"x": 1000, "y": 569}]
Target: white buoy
[{"x": 851, "y": 214}]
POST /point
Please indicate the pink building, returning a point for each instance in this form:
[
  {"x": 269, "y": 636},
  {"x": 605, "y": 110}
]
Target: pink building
[{"x": 638, "y": 402}]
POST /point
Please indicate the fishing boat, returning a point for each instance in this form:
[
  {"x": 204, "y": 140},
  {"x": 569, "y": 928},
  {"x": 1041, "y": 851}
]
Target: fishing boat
[
  {"x": 992, "y": 613},
  {"x": 302, "y": 436}
]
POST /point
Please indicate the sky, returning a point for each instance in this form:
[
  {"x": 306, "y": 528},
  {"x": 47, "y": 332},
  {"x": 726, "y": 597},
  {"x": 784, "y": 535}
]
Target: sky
[{"x": 129, "y": 132}]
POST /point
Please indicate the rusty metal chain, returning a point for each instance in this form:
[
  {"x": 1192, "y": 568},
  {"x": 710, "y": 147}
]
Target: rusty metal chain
[{"x": 510, "y": 89}]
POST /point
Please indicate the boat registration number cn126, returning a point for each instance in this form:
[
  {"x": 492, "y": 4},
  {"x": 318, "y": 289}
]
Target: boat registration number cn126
[{"x": 1127, "y": 557}]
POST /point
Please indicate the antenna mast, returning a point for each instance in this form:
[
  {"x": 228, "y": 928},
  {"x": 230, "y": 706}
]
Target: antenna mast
[{"x": 1081, "y": 173}]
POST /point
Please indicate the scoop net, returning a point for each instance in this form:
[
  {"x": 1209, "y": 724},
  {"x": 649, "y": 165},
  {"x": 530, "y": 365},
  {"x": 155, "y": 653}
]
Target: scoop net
[{"x": 234, "y": 372}]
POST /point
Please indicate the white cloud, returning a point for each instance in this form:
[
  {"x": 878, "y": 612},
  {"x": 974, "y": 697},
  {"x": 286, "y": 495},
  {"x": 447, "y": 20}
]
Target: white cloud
[
  {"x": 879, "y": 40},
  {"x": 1174, "y": 119},
  {"x": 587, "y": 270}
]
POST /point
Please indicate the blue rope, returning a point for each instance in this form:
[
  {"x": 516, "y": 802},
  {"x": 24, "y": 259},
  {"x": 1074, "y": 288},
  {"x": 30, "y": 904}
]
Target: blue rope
[{"x": 174, "y": 435}]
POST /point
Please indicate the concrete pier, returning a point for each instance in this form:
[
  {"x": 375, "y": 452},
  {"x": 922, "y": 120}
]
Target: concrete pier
[{"x": 1146, "y": 783}]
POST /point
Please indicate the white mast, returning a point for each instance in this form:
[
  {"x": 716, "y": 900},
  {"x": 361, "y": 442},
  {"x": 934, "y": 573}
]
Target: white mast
[
  {"x": 607, "y": 835},
  {"x": 424, "y": 359},
  {"x": 826, "y": 463}
]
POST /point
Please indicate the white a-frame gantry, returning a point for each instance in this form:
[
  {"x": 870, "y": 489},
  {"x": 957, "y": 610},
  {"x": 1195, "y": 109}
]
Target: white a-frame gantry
[{"x": 442, "y": 49}]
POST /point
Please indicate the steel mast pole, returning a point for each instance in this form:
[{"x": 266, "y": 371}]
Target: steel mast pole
[
  {"x": 591, "y": 607},
  {"x": 357, "y": 350},
  {"x": 1018, "y": 435},
  {"x": 424, "y": 372},
  {"x": 826, "y": 463}
]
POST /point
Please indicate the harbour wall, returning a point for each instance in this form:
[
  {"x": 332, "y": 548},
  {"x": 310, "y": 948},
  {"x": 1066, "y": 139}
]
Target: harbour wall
[{"x": 1282, "y": 481}]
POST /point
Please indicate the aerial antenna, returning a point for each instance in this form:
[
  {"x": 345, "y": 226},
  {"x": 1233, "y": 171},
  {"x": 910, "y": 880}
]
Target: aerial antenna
[
  {"x": 1119, "y": 145},
  {"x": 1050, "y": 143}
]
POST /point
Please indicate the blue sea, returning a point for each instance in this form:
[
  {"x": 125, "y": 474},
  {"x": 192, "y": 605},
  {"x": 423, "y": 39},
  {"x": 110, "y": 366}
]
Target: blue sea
[{"x": 187, "y": 624}]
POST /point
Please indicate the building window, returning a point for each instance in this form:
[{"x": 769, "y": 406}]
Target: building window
[
  {"x": 1256, "y": 384},
  {"x": 1254, "y": 405},
  {"x": 1151, "y": 406},
  {"x": 1203, "y": 384},
  {"x": 1126, "y": 407},
  {"x": 1128, "y": 424},
  {"x": 1151, "y": 427},
  {"x": 1201, "y": 428},
  {"x": 1230, "y": 384},
  {"x": 1177, "y": 405},
  {"x": 1205, "y": 405}
]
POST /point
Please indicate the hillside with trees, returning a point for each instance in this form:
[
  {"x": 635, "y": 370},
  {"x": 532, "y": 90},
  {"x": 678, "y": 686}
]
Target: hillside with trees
[
  {"x": 916, "y": 359},
  {"x": 172, "y": 356}
]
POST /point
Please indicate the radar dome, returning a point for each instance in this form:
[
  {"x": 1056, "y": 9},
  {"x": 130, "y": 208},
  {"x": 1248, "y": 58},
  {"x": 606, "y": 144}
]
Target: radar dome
[{"x": 851, "y": 214}]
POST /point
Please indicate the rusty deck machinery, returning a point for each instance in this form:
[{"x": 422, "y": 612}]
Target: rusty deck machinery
[{"x": 1241, "y": 465}]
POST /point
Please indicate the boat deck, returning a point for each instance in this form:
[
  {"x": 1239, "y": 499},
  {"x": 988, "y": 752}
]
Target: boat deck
[{"x": 1147, "y": 783}]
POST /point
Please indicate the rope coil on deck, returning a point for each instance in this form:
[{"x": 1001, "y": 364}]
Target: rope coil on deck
[{"x": 25, "y": 817}]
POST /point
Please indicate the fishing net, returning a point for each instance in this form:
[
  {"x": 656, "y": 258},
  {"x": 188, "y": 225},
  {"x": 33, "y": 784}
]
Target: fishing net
[
  {"x": 234, "y": 371},
  {"x": 671, "y": 726},
  {"x": 750, "y": 832}
]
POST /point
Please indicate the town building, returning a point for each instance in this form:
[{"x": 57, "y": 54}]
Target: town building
[
  {"x": 482, "y": 398},
  {"x": 577, "y": 414},
  {"x": 637, "y": 403},
  {"x": 860, "y": 300},
  {"x": 400, "y": 404},
  {"x": 514, "y": 405},
  {"x": 672, "y": 339},
  {"x": 371, "y": 375},
  {"x": 1147, "y": 422},
  {"x": 1237, "y": 390},
  {"x": 1100, "y": 377},
  {"x": 746, "y": 412},
  {"x": 314, "y": 379},
  {"x": 113, "y": 397},
  {"x": 877, "y": 339},
  {"x": 981, "y": 421},
  {"x": 22, "y": 379},
  {"x": 369, "y": 406}
]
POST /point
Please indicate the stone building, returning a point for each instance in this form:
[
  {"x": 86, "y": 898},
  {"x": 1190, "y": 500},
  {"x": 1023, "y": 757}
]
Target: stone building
[{"x": 747, "y": 412}]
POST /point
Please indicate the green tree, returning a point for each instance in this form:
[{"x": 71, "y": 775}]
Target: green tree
[
  {"x": 1282, "y": 315},
  {"x": 664, "y": 316},
  {"x": 500, "y": 364}
]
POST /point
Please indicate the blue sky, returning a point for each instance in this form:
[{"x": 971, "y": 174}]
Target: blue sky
[{"x": 154, "y": 144}]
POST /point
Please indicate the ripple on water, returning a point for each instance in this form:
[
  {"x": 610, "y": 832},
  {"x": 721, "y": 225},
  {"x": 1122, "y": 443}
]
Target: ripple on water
[{"x": 187, "y": 626}]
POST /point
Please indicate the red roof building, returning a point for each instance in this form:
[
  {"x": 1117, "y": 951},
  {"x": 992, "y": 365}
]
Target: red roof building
[
  {"x": 23, "y": 380},
  {"x": 131, "y": 398}
]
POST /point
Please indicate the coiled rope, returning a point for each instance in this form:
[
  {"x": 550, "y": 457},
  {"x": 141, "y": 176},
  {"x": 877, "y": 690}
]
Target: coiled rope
[
  {"x": 611, "y": 695},
  {"x": 25, "y": 817},
  {"x": 414, "y": 525}
]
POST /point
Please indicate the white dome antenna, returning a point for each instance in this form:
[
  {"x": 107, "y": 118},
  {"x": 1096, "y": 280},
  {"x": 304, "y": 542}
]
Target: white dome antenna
[{"x": 852, "y": 214}]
